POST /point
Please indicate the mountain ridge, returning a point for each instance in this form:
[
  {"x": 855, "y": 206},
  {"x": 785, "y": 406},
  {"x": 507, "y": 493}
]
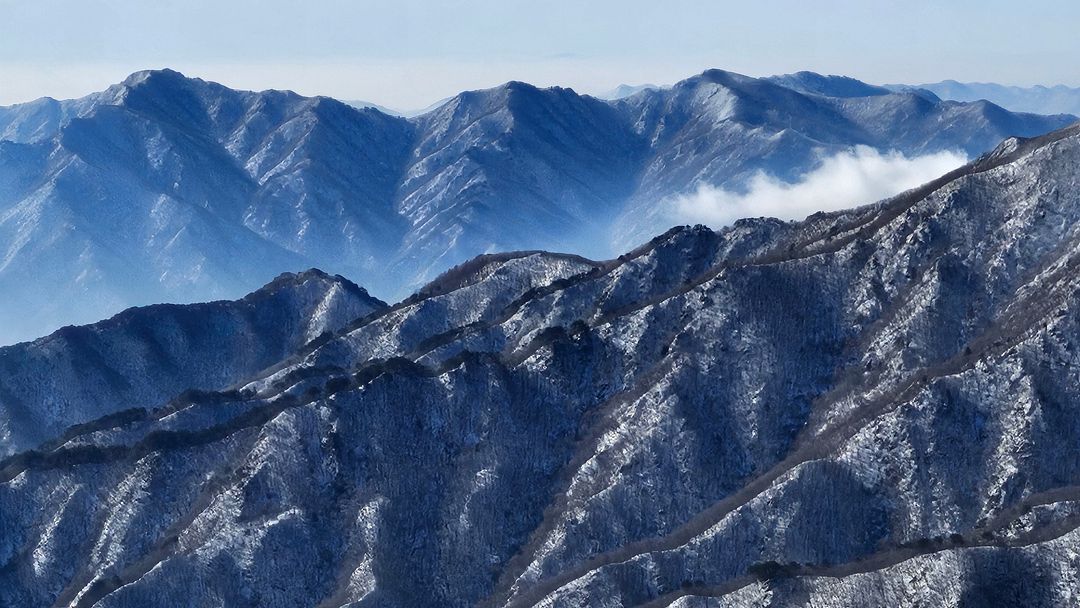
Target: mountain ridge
[
  {"x": 743, "y": 413},
  {"x": 1057, "y": 99},
  {"x": 77, "y": 373},
  {"x": 145, "y": 192}
]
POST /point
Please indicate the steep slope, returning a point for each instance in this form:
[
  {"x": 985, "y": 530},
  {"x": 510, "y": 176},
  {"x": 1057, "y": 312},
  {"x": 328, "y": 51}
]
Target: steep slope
[
  {"x": 772, "y": 412},
  {"x": 167, "y": 188},
  {"x": 145, "y": 356},
  {"x": 515, "y": 167}
]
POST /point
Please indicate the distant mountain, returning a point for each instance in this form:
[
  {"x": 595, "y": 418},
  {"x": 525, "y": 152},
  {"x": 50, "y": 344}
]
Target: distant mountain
[
  {"x": 829, "y": 86},
  {"x": 360, "y": 105},
  {"x": 873, "y": 407},
  {"x": 392, "y": 112},
  {"x": 1038, "y": 99},
  {"x": 626, "y": 90},
  {"x": 723, "y": 128},
  {"x": 170, "y": 189}
]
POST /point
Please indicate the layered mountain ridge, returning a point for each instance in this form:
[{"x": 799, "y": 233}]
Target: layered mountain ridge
[
  {"x": 1058, "y": 99},
  {"x": 146, "y": 356},
  {"x": 850, "y": 410},
  {"x": 171, "y": 189}
]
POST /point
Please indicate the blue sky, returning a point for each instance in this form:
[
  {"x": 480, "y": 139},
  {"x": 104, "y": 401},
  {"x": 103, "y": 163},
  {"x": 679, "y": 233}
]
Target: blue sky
[{"x": 407, "y": 53}]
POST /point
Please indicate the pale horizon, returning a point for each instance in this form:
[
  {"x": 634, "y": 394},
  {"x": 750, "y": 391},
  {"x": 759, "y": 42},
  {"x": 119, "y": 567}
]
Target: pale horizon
[
  {"x": 412, "y": 54},
  {"x": 363, "y": 82}
]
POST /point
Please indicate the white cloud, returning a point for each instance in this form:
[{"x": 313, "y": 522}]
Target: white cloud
[{"x": 861, "y": 175}]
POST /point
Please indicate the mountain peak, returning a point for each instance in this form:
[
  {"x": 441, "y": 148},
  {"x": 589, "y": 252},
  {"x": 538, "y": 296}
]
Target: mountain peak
[
  {"x": 828, "y": 85},
  {"x": 296, "y": 279},
  {"x": 517, "y": 85},
  {"x": 160, "y": 82},
  {"x": 166, "y": 92},
  {"x": 207, "y": 346},
  {"x": 505, "y": 91},
  {"x": 724, "y": 77},
  {"x": 155, "y": 75}
]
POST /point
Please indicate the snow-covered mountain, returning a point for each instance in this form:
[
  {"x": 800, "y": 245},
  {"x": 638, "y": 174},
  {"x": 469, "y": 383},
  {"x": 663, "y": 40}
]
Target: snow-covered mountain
[
  {"x": 1058, "y": 99},
  {"x": 170, "y": 189},
  {"x": 873, "y": 407},
  {"x": 146, "y": 356},
  {"x": 828, "y": 85}
]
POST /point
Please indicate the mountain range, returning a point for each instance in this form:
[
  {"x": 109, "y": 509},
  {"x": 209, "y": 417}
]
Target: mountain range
[
  {"x": 1058, "y": 99},
  {"x": 872, "y": 407},
  {"x": 1039, "y": 99},
  {"x": 165, "y": 188}
]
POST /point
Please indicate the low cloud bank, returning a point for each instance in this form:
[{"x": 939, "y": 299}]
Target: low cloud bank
[{"x": 861, "y": 175}]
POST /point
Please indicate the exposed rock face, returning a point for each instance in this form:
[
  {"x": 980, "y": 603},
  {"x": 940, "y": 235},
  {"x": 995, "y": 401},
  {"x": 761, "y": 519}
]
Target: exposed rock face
[
  {"x": 165, "y": 188},
  {"x": 872, "y": 407}
]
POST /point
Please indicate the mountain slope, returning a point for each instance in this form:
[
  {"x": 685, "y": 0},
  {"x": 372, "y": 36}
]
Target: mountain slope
[
  {"x": 515, "y": 167},
  {"x": 770, "y": 412},
  {"x": 724, "y": 128},
  {"x": 167, "y": 188},
  {"x": 145, "y": 356}
]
